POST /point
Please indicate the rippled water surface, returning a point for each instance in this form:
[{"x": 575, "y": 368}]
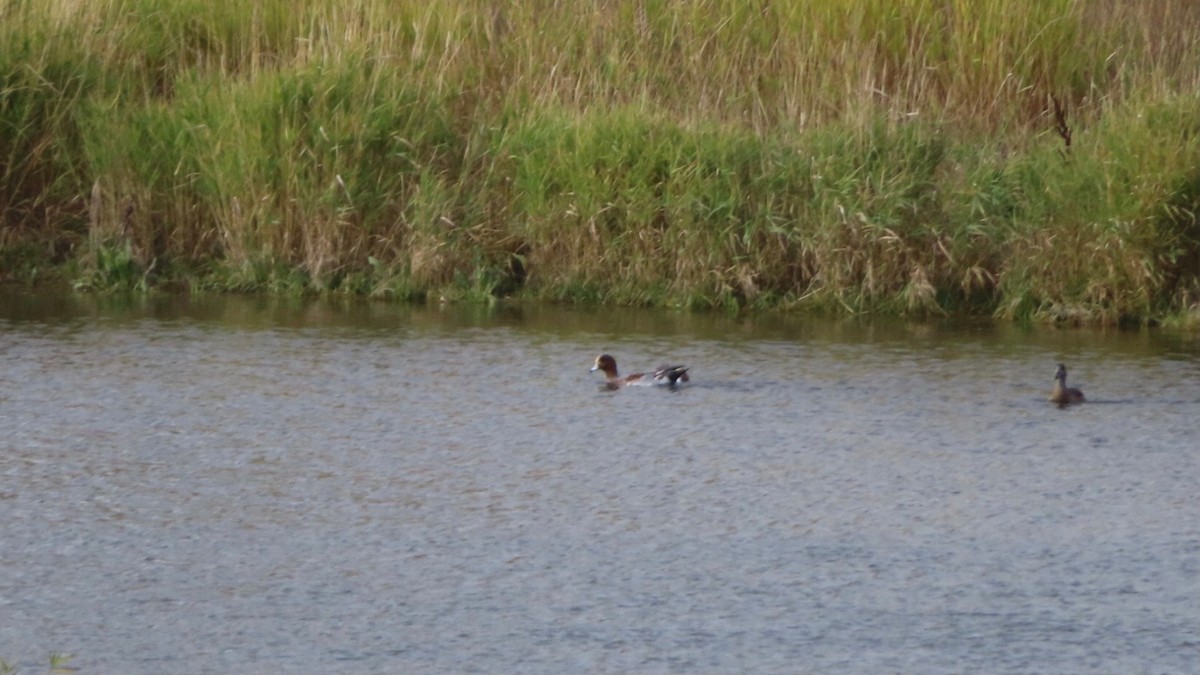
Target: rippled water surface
[{"x": 232, "y": 485}]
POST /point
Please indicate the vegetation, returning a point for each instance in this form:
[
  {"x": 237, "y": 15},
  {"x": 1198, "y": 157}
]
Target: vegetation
[
  {"x": 59, "y": 663},
  {"x": 1038, "y": 158}
]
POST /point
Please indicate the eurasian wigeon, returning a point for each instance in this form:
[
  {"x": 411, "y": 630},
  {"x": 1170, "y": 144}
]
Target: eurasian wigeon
[
  {"x": 1062, "y": 394},
  {"x": 667, "y": 375}
]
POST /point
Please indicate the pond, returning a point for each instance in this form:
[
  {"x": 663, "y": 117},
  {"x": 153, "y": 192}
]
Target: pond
[{"x": 228, "y": 484}]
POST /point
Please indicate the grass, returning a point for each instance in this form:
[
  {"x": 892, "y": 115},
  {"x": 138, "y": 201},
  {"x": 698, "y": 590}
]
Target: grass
[
  {"x": 58, "y": 663},
  {"x": 839, "y": 155}
]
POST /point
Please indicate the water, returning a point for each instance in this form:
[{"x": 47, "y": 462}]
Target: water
[{"x": 234, "y": 485}]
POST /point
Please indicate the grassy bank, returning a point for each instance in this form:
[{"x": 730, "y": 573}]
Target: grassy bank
[{"x": 879, "y": 155}]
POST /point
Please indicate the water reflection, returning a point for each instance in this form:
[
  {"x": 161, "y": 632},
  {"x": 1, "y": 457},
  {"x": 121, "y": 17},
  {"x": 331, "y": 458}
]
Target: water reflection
[{"x": 223, "y": 484}]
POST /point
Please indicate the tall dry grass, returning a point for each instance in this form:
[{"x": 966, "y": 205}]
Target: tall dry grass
[{"x": 868, "y": 155}]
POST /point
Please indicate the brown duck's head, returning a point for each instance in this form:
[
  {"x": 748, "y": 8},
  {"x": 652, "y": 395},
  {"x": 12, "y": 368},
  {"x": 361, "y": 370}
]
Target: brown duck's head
[
  {"x": 606, "y": 363},
  {"x": 1060, "y": 373}
]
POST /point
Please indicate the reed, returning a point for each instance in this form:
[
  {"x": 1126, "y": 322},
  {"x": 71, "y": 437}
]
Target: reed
[{"x": 894, "y": 156}]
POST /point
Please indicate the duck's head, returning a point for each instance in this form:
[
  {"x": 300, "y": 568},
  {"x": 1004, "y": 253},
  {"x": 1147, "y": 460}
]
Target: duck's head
[
  {"x": 1060, "y": 373},
  {"x": 606, "y": 363}
]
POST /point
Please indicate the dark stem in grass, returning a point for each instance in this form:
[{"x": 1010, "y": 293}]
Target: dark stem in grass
[{"x": 1060, "y": 122}]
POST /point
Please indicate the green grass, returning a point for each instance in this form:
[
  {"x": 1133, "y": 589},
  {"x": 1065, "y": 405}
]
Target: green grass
[
  {"x": 837, "y": 155},
  {"x": 58, "y": 663}
]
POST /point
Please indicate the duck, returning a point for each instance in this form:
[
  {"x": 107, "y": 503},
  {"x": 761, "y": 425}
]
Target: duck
[
  {"x": 1062, "y": 394},
  {"x": 667, "y": 375}
]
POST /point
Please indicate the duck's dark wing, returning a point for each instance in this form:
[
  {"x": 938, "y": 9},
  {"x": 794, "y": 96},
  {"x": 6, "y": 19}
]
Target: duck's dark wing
[{"x": 671, "y": 374}]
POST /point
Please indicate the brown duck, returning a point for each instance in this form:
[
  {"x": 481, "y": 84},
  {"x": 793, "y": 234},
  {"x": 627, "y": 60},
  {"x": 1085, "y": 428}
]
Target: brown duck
[
  {"x": 668, "y": 375},
  {"x": 1061, "y": 393}
]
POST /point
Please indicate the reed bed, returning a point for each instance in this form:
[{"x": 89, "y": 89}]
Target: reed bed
[{"x": 1030, "y": 159}]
